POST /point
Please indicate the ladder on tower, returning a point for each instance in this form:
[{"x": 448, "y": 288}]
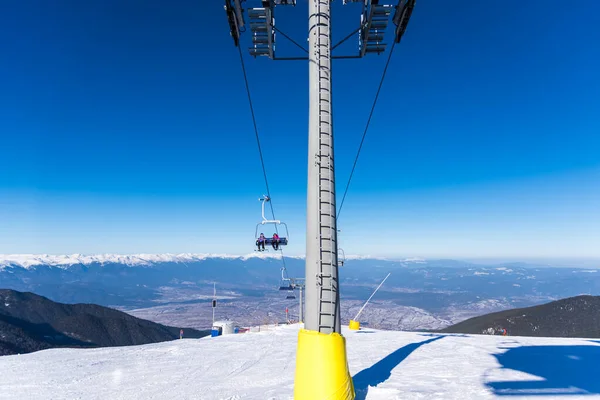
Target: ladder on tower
[{"x": 326, "y": 279}]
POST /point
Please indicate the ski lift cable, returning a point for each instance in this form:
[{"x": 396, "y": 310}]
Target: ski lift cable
[
  {"x": 262, "y": 161},
  {"x": 366, "y": 129},
  {"x": 260, "y": 153}
]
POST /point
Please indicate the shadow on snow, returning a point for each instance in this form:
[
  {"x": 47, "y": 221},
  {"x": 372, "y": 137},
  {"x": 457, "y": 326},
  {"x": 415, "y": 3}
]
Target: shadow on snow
[
  {"x": 382, "y": 370},
  {"x": 565, "y": 370}
]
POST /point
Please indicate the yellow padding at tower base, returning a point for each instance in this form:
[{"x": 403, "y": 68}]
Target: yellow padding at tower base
[
  {"x": 322, "y": 367},
  {"x": 354, "y": 325}
]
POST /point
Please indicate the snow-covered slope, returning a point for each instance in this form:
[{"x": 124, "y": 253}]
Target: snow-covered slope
[{"x": 385, "y": 365}]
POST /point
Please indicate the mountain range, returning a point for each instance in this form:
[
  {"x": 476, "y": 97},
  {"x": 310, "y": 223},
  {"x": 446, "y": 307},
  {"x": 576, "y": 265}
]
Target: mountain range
[
  {"x": 29, "y": 322},
  {"x": 572, "y": 317},
  {"x": 177, "y": 289}
]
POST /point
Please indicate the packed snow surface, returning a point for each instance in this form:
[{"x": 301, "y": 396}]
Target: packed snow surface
[{"x": 260, "y": 365}]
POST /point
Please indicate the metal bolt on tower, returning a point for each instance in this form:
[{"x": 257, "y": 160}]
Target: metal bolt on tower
[{"x": 321, "y": 367}]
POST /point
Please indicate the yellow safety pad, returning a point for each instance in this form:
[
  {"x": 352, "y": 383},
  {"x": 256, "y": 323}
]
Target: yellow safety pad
[
  {"x": 322, "y": 367},
  {"x": 354, "y": 325}
]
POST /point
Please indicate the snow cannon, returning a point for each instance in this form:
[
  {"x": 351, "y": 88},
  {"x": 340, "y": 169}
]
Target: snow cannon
[{"x": 354, "y": 324}]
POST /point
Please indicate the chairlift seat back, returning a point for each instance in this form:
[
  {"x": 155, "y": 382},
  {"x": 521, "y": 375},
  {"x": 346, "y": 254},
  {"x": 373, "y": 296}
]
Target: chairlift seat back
[{"x": 269, "y": 241}]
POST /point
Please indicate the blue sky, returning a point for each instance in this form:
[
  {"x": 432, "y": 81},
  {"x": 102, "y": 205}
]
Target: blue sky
[{"x": 125, "y": 128}]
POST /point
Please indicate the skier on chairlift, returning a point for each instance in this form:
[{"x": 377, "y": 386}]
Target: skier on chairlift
[
  {"x": 275, "y": 241},
  {"x": 261, "y": 242}
]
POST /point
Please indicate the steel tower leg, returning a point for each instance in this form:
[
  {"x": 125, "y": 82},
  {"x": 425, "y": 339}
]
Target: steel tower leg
[
  {"x": 322, "y": 297},
  {"x": 321, "y": 363}
]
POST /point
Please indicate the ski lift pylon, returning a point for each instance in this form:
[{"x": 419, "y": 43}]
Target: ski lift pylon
[{"x": 283, "y": 240}]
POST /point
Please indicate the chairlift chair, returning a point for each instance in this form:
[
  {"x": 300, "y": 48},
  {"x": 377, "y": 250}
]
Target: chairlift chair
[
  {"x": 290, "y": 286},
  {"x": 341, "y": 254},
  {"x": 341, "y": 257},
  {"x": 283, "y": 240},
  {"x": 286, "y": 284}
]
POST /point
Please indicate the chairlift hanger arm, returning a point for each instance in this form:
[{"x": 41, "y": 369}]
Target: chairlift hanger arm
[
  {"x": 263, "y": 200},
  {"x": 283, "y": 240}
]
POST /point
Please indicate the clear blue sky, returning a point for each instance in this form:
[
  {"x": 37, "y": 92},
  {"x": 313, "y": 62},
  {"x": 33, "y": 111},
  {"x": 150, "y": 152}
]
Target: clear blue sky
[{"x": 125, "y": 128}]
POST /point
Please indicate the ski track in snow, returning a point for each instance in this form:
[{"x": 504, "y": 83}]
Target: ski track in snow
[{"x": 261, "y": 365}]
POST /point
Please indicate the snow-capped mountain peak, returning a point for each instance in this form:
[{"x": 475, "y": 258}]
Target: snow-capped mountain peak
[{"x": 30, "y": 260}]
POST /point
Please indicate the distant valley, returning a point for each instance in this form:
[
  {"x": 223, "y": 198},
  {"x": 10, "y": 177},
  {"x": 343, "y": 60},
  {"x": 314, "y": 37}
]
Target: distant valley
[{"x": 176, "y": 289}]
